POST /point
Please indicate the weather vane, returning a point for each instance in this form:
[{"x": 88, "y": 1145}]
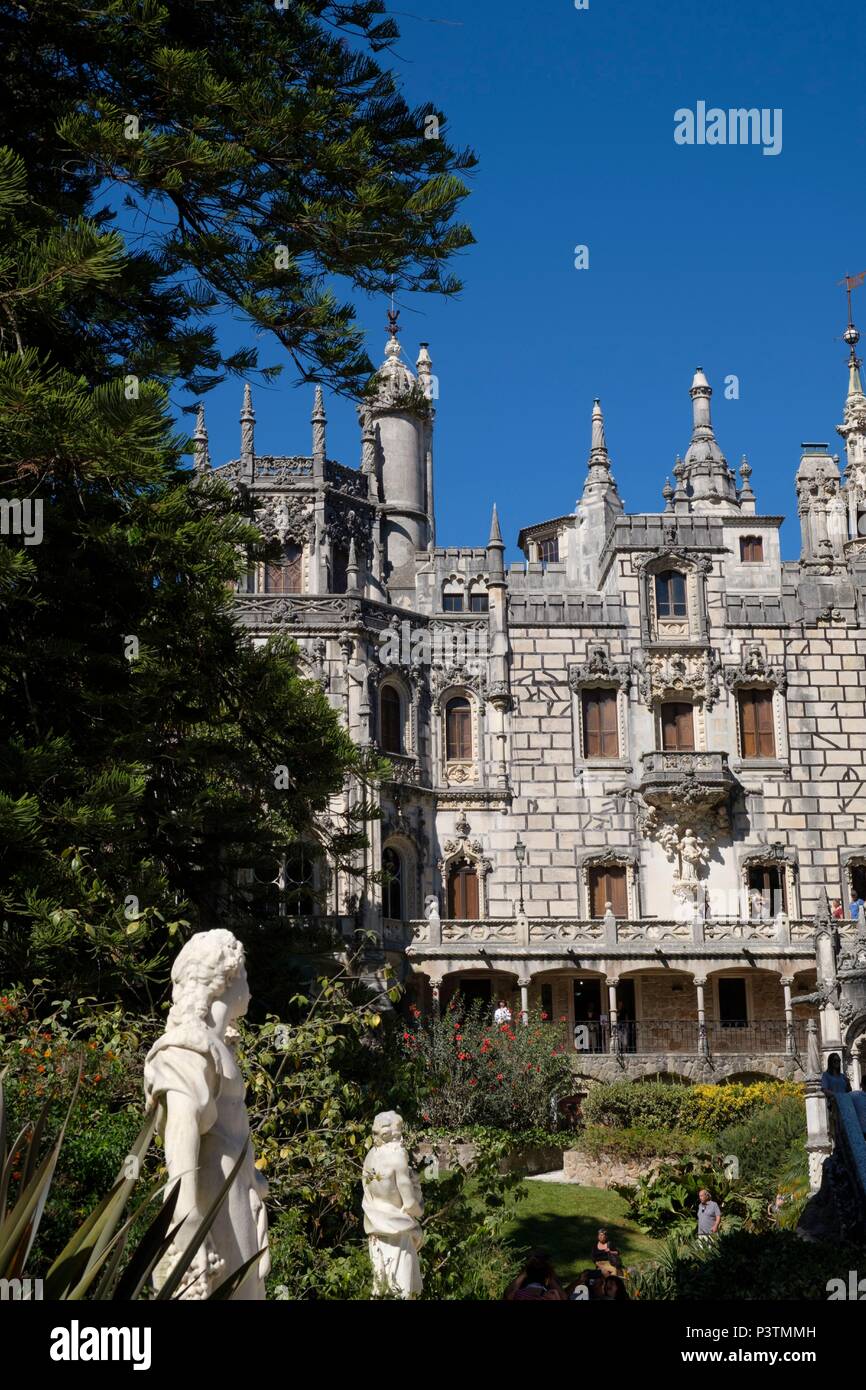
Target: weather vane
[{"x": 852, "y": 282}]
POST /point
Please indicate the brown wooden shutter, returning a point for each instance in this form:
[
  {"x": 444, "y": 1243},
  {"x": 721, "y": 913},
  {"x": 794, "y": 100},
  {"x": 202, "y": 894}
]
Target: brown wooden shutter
[
  {"x": 678, "y": 727},
  {"x": 608, "y": 885},
  {"x": 463, "y": 893},
  {"x": 458, "y": 730},
  {"x": 757, "y": 725},
  {"x": 600, "y": 724},
  {"x": 748, "y": 727}
]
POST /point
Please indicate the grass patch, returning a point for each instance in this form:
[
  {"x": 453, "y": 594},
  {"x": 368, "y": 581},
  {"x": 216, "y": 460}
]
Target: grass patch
[{"x": 563, "y": 1219}]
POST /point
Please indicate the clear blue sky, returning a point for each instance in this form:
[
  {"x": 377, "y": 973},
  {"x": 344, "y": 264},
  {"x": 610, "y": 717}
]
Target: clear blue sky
[{"x": 715, "y": 255}]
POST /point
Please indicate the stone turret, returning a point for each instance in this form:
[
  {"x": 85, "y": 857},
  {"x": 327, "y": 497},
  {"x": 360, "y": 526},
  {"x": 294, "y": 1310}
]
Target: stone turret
[
  {"x": 853, "y": 431},
  {"x": 708, "y": 480},
  {"x": 400, "y": 417},
  {"x": 200, "y": 451},
  {"x": 248, "y": 451}
]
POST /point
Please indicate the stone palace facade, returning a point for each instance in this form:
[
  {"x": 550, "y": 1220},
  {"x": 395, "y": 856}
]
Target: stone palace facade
[{"x": 626, "y": 770}]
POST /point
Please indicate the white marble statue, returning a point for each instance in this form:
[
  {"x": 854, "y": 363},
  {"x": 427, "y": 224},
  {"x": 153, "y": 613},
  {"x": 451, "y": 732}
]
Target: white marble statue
[
  {"x": 393, "y": 1208},
  {"x": 192, "y": 1073}
]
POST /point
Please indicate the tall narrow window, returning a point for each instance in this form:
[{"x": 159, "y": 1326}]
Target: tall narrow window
[
  {"x": 600, "y": 724},
  {"x": 752, "y": 549},
  {"x": 283, "y": 576},
  {"x": 733, "y": 1009},
  {"x": 463, "y": 892},
  {"x": 549, "y": 550},
  {"x": 671, "y": 594},
  {"x": 678, "y": 727},
  {"x": 607, "y": 884},
  {"x": 458, "y": 730},
  {"x": 392, "y": 720},
  {"x": 392, "y": 884},
  {"x": 767, "y": 890},
  {"x": 340, "y": 570},
  {"x": 757, "y": 726}
]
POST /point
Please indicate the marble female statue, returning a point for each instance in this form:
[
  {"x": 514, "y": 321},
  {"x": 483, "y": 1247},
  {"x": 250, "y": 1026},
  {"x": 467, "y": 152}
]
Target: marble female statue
[
  {"x": 393, "y": 1208},
  {"x": 191, "y": 1072}
]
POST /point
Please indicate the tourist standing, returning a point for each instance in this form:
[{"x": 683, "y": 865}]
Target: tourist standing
[
  {"x": 838, "y": 910},
  {"x": 502, "y": 1014},
  {"x": 855, "y": 904},
  {"x": 709, "y": 1215},
  {"x": 833, "y": 1080}
]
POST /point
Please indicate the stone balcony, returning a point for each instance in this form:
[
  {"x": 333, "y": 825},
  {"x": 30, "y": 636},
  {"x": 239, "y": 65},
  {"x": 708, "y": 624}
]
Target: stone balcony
[
  {"x": 529, "y": 934},
  {"x": 669, "y": 779}
]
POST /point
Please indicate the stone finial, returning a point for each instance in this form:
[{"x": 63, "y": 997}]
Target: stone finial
[
  {"x": 667, "y": 494},
  {"x": 319, "y": 420},
  {"x": 352, "y": 568},
  {"x": 200, "y": 453},
  {"x": 813, "y": 1055},
  {"x": 495, "y": 533},
  {"x": 823, "y": 914},
  {"x": 248, "y": 420}
]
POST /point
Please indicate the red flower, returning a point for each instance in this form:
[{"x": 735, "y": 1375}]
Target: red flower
[
  {"x": 545, "y": 1015},
  {"x": 472, "y": 1081},
  {"x": 407, "y": 1037},
  {"x": 500, "y": 1077}
]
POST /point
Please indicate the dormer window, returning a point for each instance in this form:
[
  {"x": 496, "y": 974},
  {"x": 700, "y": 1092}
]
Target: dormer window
[
  {"x": 751, "y": 549},
  {"x": 548, "y": 550},
  {"x": 671, "y": 594}
]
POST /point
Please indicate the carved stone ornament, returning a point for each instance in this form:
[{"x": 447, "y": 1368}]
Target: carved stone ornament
[
  {"x": 665, "y": 674},
  {"x": 284, "y": 517},
  {"x": 754, "y": 668},
  {"x": 598, "y": 667},
  {"x": 346, "y": 524},
  {"x": 462, "y": 675},
  {"x": 695, "y": 561}
]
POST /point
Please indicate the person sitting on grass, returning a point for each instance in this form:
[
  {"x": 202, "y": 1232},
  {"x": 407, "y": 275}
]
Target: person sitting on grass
[
  {"x": 604, "y": 1252},
  {"x": 537, "y": 1279}
]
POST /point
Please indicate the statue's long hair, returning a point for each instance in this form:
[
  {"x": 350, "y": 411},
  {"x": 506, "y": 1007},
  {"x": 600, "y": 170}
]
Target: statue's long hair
[{"x": 200, "y": 974}]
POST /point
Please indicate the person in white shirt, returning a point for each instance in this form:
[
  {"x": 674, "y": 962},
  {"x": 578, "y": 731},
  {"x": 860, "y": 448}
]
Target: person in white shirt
[
  {"x": 502, "y": 1014},
  {"x": 859, "y": 1100}
]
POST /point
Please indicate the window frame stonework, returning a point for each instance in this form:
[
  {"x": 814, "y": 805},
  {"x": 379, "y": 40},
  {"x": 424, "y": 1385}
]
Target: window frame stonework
[
  {"x": 459, "y": 771},
  {"x": 763, "y": 856},
  {"x": 609, "y": 858}
]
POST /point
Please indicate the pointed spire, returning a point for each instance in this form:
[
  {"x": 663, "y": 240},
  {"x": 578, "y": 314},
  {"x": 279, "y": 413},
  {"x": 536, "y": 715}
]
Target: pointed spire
[
  {"x": 352, "y": 568},
  {"x": 747, "y": 495},
  {"x": 853, "y": 427},
  {"x": 599, "y": 475},
  {"x": 248, "y": 420},
  {"x": 424, "y": 367},
  {"x": 667, "y": 494},
  {"x": 319, "y": 420},
  {"x": 710, "y": 479},
  {"x": 200, "y": 453},
  {"x": 495, "y": 533}
]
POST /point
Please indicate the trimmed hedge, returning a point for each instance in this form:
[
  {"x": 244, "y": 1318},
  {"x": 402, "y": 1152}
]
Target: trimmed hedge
[{"x": 657, "y": 1105}]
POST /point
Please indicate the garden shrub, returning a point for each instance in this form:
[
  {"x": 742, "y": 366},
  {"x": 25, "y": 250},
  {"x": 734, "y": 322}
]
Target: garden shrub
[
  {"x": 742, "y": 1264},
  {"x": 765, "y": 1143},
  {"x": 659, "y": 1105},
  {"x": 467, "y": 1071},
  {"x": 637, "y": 1142}
]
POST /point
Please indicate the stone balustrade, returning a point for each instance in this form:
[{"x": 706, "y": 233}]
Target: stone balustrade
[{"x": 617, "y": 931}]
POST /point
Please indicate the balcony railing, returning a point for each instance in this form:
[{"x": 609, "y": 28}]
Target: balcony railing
[
  {"x": 667, "y": 774},
  {"x": 652, "y": 1036},
  {"x": 614, "y": 931}
]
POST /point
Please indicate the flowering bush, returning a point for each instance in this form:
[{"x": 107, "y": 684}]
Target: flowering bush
[
  {"x": 468, "y": 1070},
  {"x": 660, "y": 1105}
]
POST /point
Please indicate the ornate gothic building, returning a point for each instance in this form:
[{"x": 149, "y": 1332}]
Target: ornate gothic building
[{"x": 626, "y": 770}]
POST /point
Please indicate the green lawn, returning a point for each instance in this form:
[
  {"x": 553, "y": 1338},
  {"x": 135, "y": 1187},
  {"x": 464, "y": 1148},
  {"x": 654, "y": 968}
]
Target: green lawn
[{"x": 563, "y": 1219}]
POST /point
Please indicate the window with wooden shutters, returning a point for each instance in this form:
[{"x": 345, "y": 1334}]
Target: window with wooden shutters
[
  {"x": 607, "y": 884},
  {"x": 283, "y": 576},
  {"x": 671, "y": 594},
  {"x": 600, "y": 724},
  {"x": 751, "y": 549},
  {"x": 757, "y": 726},
  {"x": 463, "y": 893},
  {"x": 458, "y": 730},
  {"x": 392, "y": 720},
  {"x": 678, "y": 727}
]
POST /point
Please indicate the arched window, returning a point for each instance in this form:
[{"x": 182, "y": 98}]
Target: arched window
[
  {"x": 283, "y": 576},
  {"x": 463, "y": 892},
  {"x": 549, "y": 550},
  {"x": 458, "y": 729},
  {"x": 671, "y": 594},
  {"x": 392, "y": 884},
  {"x": 298, "y": 894},
  {"x": 391, "y": 731}
]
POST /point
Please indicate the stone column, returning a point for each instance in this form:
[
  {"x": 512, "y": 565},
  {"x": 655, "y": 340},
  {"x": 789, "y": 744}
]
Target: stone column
[
  {"x": 790, "y": 1042},
  {"x": 825, "y": 952},
  {"x": 703, "y": 1040},
  {"x": 611, "y": 1008},
  {"x": 523, "y": 982},
  {"x": 818, "y": 1143}
]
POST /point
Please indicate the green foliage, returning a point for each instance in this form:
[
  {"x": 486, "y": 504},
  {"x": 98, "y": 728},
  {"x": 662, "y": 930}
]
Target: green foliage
[
  {"x": 767, "y": 1142},
  {"x": 468, "y": 1071},
  {"x": 742, "y": 1264},
  {"x": 271, "y": 165},
  {"x": 638, "y": 1142},
  {"x": 658, "y": 1105},
  {"x": 667, "y": 1198}
]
